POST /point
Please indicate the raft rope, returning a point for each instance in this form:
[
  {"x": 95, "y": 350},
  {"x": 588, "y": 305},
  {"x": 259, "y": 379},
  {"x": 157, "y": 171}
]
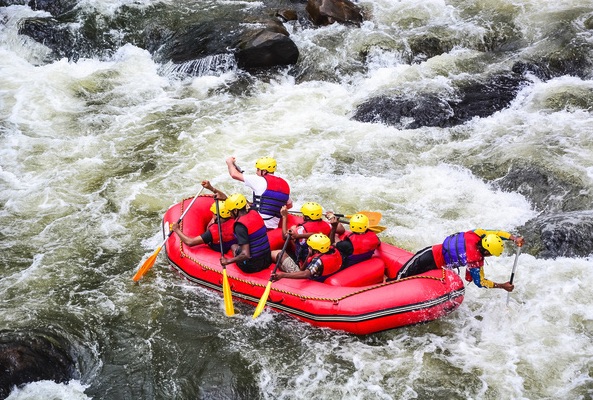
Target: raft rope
[{"x": 300, "y": 296}]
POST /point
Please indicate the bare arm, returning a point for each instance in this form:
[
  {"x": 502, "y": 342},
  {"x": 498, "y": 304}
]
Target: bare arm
[
  {"x": 292, "y": 275},
  {"x": 233, "y": 170},
  {"x": 336, "y": 227},
  {"x": 243, "y": 255},
  {"x": 186, "y": 239},
  {"x": 219, "y": 195}
]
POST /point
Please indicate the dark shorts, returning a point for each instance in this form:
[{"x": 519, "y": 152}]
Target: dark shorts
[{"x": 255, "y": 264}]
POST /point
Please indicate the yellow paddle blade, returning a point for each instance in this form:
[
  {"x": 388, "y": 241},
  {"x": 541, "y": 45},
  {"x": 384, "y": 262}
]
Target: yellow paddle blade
[
  {"x": 228, "y": 297},
  {"x": 262, "y": 301},
  {"x": 377, "y": 228},
  {"x": 147, "y": 265},
  {"x": 373, "y": 216}
]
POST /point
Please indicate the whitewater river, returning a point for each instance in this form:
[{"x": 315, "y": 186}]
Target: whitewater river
[{"x": 93, "y": 152}]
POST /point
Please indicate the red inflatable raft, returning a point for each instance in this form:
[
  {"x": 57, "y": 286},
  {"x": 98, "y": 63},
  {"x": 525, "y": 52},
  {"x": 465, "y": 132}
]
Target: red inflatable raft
[{"x": 354, "y": 300}]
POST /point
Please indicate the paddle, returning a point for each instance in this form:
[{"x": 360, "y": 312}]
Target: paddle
[
  {"x": 226, "y": 288},
  {"x": 150, "y": 261},
  {"x": 373, "y": 216},
  {"x": 373, "y": 228},
  {"x": 513, "y": 272},
  {"x": 264, "y": 298}
]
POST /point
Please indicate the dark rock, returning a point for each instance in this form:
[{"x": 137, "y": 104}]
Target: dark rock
[
  {"x": 482, "y": 99},
  {"x": 547, "y": 191},
  {"x": 266, "y": 47},
  {"x": 473, "y": 99},
  {"x": 563, "y": 234},
  {"x": 54, "y": 7},
  {"x": 192, "y": 42},
  {"x": 538, "y": 70},
  {"x": 287, "y": 15},
  {"x": 8, "y": 3},
  {"x": 61, "y": 38},
  {"x": 326, "y": 12},
  {"x": 427, "y": 46},
  {"x": 33, "y": 356},
  {"x": 409, "y": 113}
]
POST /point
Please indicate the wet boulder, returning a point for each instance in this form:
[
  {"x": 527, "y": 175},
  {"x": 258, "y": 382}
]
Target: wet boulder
[
  {"x": 428, "y": 45},
  {"x": 406, "y": 112},
  {"x": 63, "y": 39},
  {"x": 546, "y": 190},
  {"x": 286, "y": 15},
  {"x": 561, "y": 234},
  {"x": 471, "y": 99},
  {"x": 7, "y": 3},
  {"x": 33, "y": 356},
  {"x": 254, "y": 40},
  {"x": 266, "y": 47},
  {"x": 327, "y": 12},
  {"x": 54, "y": 7}
]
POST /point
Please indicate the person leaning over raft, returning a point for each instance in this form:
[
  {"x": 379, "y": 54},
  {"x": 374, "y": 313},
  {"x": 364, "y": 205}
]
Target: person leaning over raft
[
  {"x": 211, "y": 237},
  {"x": 270, "y": 192},
  {"x": 252, "y": 250},
  {"x": 463, "y": 249},
  {"x": 358, "y": 245},
  {"x": 323, "y": 260}
]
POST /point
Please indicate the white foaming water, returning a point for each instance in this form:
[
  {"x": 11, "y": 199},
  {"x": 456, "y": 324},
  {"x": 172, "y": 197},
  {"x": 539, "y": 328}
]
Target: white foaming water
[
  {"x": 92, "y": 153},
  {"x": 50, "y": 390}
]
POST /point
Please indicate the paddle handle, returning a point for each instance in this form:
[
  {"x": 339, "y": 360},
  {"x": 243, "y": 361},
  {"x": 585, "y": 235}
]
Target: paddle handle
[
  {"x": 513, "y": 272},
  {"x": 238, "y": 168},
  {"x": 191, "y": 204}
]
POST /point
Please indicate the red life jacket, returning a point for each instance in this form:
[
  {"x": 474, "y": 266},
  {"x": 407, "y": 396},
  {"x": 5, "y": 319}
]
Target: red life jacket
[
  {"x": 257, "y": 232},
  {"x": 301, "y": 248},
  {"x": 273, "y": 198},
  {"x": 364, "y": 245},
  {"x": 318, "y": 226},
  {"x": 332, "y": 261},
  {"x": 228, "y": 236}
]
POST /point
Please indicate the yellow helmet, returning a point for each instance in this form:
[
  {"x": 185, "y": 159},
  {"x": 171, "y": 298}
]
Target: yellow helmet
[
  {"x": 235, "y": 201},
  {"x": 319, "y": 242},
  {"x": 493, "y": 243},
  {"x": 224, "y": 213},
  {"x": 312, "y": 210},
  {"x": 359, "y": 223},
  {"x": 266, "y": 164}
]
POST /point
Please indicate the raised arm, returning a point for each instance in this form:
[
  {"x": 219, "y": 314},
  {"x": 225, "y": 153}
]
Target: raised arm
[
  {"x": 233, "y": 170},
  {"x": 219, "y": 195}
]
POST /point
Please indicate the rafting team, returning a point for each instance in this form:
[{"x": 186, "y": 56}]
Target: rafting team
[{"x": 318, "y": 250}]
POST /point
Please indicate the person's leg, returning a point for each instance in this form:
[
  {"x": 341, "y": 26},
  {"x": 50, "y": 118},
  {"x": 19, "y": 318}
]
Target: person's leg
[
  {"x": 288, "y": 264},
  {"x": 420, "y": 262}
]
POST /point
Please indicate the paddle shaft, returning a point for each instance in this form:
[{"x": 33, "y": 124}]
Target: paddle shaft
[
  {"x": 183, "y": 215},
  {"x": 280, "y": 255},
  {"x": 219, "y": 229},
  {"x": 264, "y": 298},
  {"x": 150, "y": 261},
  {"x": 513, "y": 272}
]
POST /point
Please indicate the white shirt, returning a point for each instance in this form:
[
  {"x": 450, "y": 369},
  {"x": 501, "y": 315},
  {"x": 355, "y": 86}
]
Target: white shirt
[{"x": 259, "y": 185}]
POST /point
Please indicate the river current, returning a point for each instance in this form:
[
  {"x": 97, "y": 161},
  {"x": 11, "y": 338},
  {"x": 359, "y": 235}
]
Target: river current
[{"x": 94, "y": 151}]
